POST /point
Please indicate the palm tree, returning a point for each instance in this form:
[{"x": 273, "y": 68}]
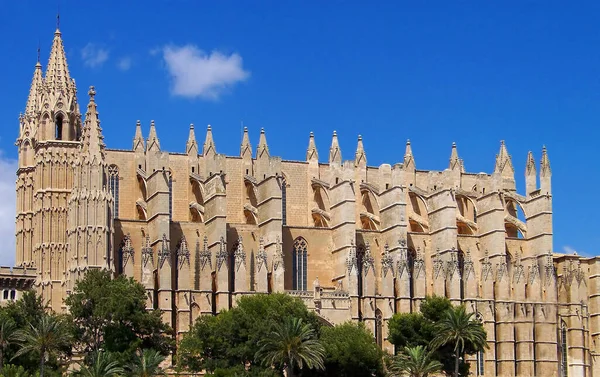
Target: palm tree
[
  {"x": 47, "y": 337},
  {"x": 146, "y": 363},
  {"x": 458, "y": 327},
  {"x": 416, "y": 362},
  {"x": 102, "y": 365},
  {"x": 291, "y": 344},
  {"x": 8, "y": 336}
]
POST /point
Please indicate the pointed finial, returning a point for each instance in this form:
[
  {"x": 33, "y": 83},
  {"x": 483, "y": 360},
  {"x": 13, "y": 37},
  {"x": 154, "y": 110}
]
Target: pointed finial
[
  {"x": 38, "y": 53},
  {"x": 335, "y": 153},
  {"x": 409, "y": 161},
  {"x": 92, "y": 93},
  {"x": 262, "y": 150},
  {"x": 209, "y": 144},
  {"x": 504, "y": 164},
  {"x": 455, "y": 162},
  {"x": 58, "y": 20},
  {"x": 545, "y": 170},
  {"x": 360, "y": 157},
  {"x": 246, "y": 147},
  {"x": 311, "y": 151}
]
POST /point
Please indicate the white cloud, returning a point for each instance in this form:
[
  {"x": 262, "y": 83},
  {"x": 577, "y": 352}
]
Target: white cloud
[
  {"x": 124, "y": 63},
  {"x": 94, "y": 56},
  {"x": 197, "y": 74},
  {"x": 570, "y": 250},
  {"x": 8, "y": 205}
]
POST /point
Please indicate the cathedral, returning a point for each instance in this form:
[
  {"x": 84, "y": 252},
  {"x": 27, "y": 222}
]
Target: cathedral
[{"x": 200, "y": 229}]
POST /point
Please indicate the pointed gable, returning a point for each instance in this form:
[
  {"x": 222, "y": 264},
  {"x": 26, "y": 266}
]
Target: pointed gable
[
  {"x": 152, "y": 143},
  {"x": 311, "y": 152},
  {"x": 335, "y": 153},
  {"x": 138, "y": 139},
  {"x": 262, "y": 150},
  {"x": 245, "y": 147},
  {"x": 209, "y": 144},
  {"x": 360, "y": 157},
  {"x": 191, "y": 147}
]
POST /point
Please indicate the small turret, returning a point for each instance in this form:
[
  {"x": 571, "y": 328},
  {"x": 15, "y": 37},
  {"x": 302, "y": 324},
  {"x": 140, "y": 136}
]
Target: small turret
[
  {"x": 409, "y": 160},
  {"x": 152, "y": 143},
  {"x": 335, "y": 153},
  {"x": 262, "y": 150},
  {"x": 360, "y": 157},
  {"x": 34, "y": 100},
  {"x": 57, "y": 71},
  {"x": 311, "y": 151},
  {"x": 455, "y": 162},
  {"x": 246, "y": 147},
  {"x": 530, "y": 174},
  {"x": 545, "y": 173},
  {"x": 138, "y": 139},
  {"x": 209, "y": 144},
  {"x": 191, "y": 147},
  {"x": 504, "y": 168},
  {"x": 92, "y": 140}
]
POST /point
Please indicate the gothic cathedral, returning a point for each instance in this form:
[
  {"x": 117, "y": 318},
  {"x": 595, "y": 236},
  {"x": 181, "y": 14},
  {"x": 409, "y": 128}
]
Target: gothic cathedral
[{"x": 355, "y": 242}]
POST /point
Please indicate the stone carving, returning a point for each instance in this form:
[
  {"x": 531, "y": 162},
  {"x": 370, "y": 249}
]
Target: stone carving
[
  {"x": 261, "y": 256},
  {"x": 164, "y": 253},
  {"x": 127, "y": 251},
  {"x": 534, "y": 271},
  {"x": 147, "y": 253},
  {"x": 221, "y": 254},
  {"x": 469, "y": 268},
  {"x": 438, "y": 265},
  {"x": 452, "y": 266},
  {"x": 368, "y": 260},
  {"x": 205, "y": 255},
  {"x": 183, "y": 254},
  {"x": 486, "y": 267},
  {"x": 501, "y": 269},
  {"x": 239, "y": 255},
  {"x": 518, "y": 268},
  {"x": 403, "y": 262},
  {"x": 419, "y": 264},
  {"x": 278, "y": 257},
  {"x": 387, "y": 262},
  {"x": 550, "y": 269},
  {"x": 351, "y": 260}
]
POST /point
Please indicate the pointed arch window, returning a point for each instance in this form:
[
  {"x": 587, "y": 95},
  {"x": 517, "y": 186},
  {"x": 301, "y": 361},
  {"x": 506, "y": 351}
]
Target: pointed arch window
[
  {"x": 113, "y": 186},
  {"x": 59, "y": 122},
  {"x": 379, "y": 328},
  {"x": 299, "y": 264},
  {"x": 564, "y": 366}
]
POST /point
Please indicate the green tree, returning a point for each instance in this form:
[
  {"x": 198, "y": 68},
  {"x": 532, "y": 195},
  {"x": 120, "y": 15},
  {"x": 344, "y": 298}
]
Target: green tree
[
  {"x": 350, "y": 351},
  {"x": 419, "y": 329},
  {"x": 146, "y": 363},
  {"x": 111, "y": 314},
  {"x": 458, "y": 328},
  {"x": 8, "y": 337},
  {"x": 291, "y": 345},
  {"x": 48, "y": 337},
  {"x": 102, "y": 364},
  {"x": 229, "y": 340},
  {"x": 14, "y": 371},
  {"x": 416, "y": 362}
]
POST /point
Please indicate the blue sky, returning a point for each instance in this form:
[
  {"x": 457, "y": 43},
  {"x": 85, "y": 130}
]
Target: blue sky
[{"x": 433, "y": 72}]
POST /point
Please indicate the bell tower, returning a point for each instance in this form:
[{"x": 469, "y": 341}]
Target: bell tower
[{"x": 48, "y": 144}]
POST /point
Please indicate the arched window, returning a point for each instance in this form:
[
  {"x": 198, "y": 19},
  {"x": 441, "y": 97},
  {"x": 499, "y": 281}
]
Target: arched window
[
  {"x": 564, "y": 366},
  {"x": 59, "y": 122},
  {"x": 360, "y": 257},
  {"x": 283, "y": 202},
  {"x": 379, "y": 328},
  {"x": 480, "y": 354},
  {"x": 113, "y": 185},
  {"x": 299, "y": 264}
]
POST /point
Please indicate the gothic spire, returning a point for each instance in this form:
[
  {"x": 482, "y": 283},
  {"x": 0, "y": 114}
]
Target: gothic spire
[
  {"x": 409, "y": 160},
  {"x": 530, "y": 169},
  {"x": 455, "y": 162},
  {"x": 335, "y": 153},
  {"x": 311, "y": 152},
  {"x": 138, "y": 139},
  {"x": 92, "y": 140},
  {"x": 545, "y": 170},
  {"x": 209, "y": 144},
  {"x": 191, "y": 146},
  {"x": 504, "y": 164},
  {"x": 246, "y": 148},
  {"x": 57, "y": 71},
  {"x": 262, "y": 150},
  {"x": 152, "y": 143},
  {"x": 360, "y": 157},
  {"x": 33, "y": 101}
]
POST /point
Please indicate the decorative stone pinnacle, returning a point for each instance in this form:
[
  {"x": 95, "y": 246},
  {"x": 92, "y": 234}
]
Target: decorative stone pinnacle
[
  {"x": 191, "y": 126},
  {"x": 334, "y": 133},
  {"x": 92, "y": 93},
  {"x": 209, "y": 128},
  {"x": 359, "y": 137}
]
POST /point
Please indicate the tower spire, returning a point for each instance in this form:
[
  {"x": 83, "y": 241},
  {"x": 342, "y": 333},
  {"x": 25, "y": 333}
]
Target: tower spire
[
  {"x": 360, "y": 157},
  {"x": 335, "y": 153},
  {"x": 504, "y": 164},
  {"x": 209, "y": 144},
  {"x": 191, "y": 145},
  {"x": 152, "y": 142},
  {"x": 311, "y": 152},
  {"x": 262, "y": 150},
  {"x": 246, "y": 148},
  {"x": 57, "y": 71},
  {"x": 92, "y": 140},
  {"x": 530, "y": 175},
  {"x": 33, "y": 101},
  {"x": 138, "y": 139},
  {"x": 455, "y": 162},
  {"x": 545, "y": 170},
  {"x": 409, "y": 160}
]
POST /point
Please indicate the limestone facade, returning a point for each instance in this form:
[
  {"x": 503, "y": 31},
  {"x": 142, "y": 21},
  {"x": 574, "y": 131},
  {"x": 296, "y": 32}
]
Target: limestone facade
[{"x": 355, "y": 242}]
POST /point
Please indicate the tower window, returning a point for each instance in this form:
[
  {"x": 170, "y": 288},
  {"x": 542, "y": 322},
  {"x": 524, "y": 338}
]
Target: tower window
[
  {"x": 299, "y": 264},
  {"x": 59, "y": 122},
  {"x": 113, "y": 185},
  {"x": 480, "y": 363},
  {"x": 564, "y": 367}
]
